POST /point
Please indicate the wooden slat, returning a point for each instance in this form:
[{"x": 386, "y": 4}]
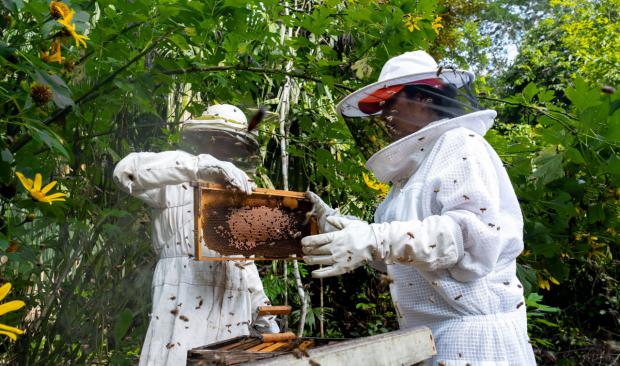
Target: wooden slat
[
  {"x": 274, "y": 347},
  {"x": 247, "y": 343},
  {"x": 402, "y": 347},
  {"x": 278, "y": 337},
  {"x": 259, "y": 347},
  {"x": 257, "y": 191},
  {"x": 274, "y": 310},
  {"x": 197, "y": 224}
]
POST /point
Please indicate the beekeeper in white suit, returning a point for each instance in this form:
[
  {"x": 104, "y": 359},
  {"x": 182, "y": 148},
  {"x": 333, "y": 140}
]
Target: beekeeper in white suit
[
  {"x": 194, "y": 303},
  {"x": 450, "y": 228}
]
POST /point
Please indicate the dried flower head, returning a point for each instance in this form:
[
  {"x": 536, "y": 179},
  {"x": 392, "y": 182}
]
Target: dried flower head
[
  {"x": 59, "y": 10},
  {"x": 40, "y": 93}
]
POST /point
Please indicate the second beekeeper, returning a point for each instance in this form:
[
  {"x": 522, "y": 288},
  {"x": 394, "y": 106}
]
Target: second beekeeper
[{"x": 195, "y": 302}]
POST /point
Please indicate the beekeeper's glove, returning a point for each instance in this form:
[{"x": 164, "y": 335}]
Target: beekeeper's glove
[
  {"x": 431, "y": 244},
  {"x": 210, "y": 168},
  {"x": 323, "y": 211}
]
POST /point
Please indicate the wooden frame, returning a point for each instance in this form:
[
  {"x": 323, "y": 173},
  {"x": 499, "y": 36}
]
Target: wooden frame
[{"x": 208, "y": 195}]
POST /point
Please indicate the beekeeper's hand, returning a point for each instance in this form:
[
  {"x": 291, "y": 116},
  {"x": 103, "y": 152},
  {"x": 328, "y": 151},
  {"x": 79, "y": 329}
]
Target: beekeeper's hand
[
  {"x": 210, "y": 169},
  {"x": 353, "y": 244},
  {"x": 431, "y": 244},
  {"x": 322, "y": 211}
]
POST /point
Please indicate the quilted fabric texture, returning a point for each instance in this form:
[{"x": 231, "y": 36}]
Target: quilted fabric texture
[
  {"x": 474, "y": 304},
  {"x": 194, "y": 303}
]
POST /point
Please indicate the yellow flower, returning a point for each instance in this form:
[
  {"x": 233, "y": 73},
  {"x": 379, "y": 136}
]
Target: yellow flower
[
  {"x": 411, "y": 22},
  {"x": 70, "y": 29},
  {"x": 35, "y": 189},
  {"x": 59, "y": 9},
  {"x": 437, "y": 25},
  {"x": 7, "y": 307},
  {"x": 375, "y": 185}
]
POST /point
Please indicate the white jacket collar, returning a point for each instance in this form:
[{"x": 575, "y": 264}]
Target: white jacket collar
[{"x": 401, "y": 159}]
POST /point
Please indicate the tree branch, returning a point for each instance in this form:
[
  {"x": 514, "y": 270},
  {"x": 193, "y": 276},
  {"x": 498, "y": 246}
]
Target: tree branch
[
  {"x": 61, "y": 112},
  {"x": 239, "y": 67}
]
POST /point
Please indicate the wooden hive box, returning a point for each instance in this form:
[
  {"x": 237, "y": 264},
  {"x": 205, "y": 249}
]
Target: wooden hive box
[
  {"x": 397, "y": 348},
  {"x": 268, "y": 224},
  {"x": 244, "y": 349}
]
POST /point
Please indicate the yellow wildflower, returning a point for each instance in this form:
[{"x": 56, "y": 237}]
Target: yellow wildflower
[
  {"x": 437, "y": 25},
  {"x": 59, "y": 9},
  {"x": 411, "y": 22},
  {"x": 7, "y": 307},
  {"x": 375, "y": 185},
  {"x": 70, "y": 29},
  {"x": 55, "y": 56},
  {"x": 35, "y": 189}
]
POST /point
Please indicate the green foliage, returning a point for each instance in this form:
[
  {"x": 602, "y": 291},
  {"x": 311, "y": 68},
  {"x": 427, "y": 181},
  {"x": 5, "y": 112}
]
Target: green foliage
[
  {"x": 574, "y": 39},
  {"x": 563, "y": 164},
  {"x": 84, "y": 266}
]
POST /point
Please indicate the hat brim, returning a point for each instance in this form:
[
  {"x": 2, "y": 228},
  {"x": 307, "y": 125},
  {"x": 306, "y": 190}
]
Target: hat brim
[{"x": 349, "y": 105}]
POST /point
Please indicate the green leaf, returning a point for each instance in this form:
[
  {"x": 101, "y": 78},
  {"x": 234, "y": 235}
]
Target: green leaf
[
  {"x": 13, "y": 5},
  {"x": 548, "y": 166},
  {"x": 49, "y": 138},
  {"x": 573, "y": 155},
  {"x": 529, "y": 92},
  {"x": 123, "y": 322},
  {"x": 61, "y": 94}
]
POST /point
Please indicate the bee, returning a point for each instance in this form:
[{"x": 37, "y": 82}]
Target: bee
[
  {"x": 458, "y": 296},
  {"x": 184, "y": 318},
  {"x": 174, "y": 311},
  {"x": 385, "y": 279},
  {"x": 466, "y": 197},
  {"x": 411, "y": 236},
  {"x": 170, "y": 345},
  {"x": 519, "y": 304}
]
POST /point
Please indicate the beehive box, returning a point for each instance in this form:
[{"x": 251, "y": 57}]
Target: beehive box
[
  {"x": 397, "y": 348},
  {"x": 244, "y": 349},
  {"x": 268, "y": 224}
]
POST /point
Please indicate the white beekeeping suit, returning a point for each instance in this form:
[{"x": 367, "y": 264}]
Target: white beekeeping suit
[
  {"x": 194, "y": 303},
  {"x": 451, "y": 227}
]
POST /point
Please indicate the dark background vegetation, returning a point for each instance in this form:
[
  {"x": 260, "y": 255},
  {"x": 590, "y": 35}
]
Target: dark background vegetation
[{"x": 550, "y": 68}]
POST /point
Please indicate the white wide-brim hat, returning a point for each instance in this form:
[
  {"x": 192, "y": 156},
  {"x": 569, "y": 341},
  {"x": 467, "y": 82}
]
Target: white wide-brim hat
[
  {"x": 224, "y": 117},
  {"x": 417, "y": 67}
]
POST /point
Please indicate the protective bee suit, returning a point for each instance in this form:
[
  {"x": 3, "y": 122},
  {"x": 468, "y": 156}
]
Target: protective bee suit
[
  {"x": 450, "y": 228},
  {"x": 194, "y": 303}
]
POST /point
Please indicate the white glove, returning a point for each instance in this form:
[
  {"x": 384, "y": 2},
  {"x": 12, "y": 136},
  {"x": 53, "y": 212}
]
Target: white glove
[
  {"x": 210, "y": 169},
  {"x": 431, "y": 244},
  {"x": 323, "y": 211},
  {"x": 139, "y": 172}
]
